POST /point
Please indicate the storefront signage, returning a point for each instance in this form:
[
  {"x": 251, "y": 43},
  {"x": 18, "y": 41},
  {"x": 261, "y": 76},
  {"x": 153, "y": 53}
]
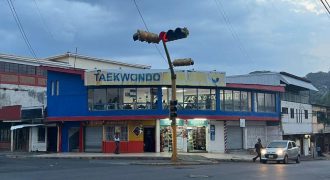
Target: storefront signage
[
  {"x": 167, "y": 122},
  {"x": 153, "y": 77},
  {"x": 196, "y": 123},
  {"x": 212, "y": 132},
  {"x": 242, "y": 123}
]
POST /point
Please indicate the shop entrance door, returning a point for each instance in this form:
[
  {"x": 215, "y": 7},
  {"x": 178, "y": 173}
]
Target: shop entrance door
[
  {"x": 196, "y": 139},
  {"x": 74, "y": 139},
  {"x": 149, "y": 139},
  {"x": 21, "y": 137},
  {"x": 52, "y": 139}
]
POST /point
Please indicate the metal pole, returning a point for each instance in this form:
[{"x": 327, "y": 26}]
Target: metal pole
[{"x": 173, "y": 98}]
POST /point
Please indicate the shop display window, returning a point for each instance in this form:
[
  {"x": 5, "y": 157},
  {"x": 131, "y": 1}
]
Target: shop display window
[{"x": 111, "y": 130}]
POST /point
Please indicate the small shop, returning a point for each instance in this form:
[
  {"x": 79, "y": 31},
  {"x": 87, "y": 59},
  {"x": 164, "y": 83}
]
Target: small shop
[
  {"x": 197, "y": 135},
  {"x": 191, "y": 135},
  {"x": 166, "y": 135}
]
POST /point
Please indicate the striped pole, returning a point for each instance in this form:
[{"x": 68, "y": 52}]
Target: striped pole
[{"x": 225, "y": 135}]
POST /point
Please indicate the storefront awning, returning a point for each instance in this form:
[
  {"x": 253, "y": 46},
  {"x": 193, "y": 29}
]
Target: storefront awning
[{"x": 24, "y": 125}]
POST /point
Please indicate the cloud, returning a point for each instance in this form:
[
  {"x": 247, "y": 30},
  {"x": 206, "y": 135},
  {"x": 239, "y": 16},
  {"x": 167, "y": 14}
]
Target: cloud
[{"x": 254, "y": 35}]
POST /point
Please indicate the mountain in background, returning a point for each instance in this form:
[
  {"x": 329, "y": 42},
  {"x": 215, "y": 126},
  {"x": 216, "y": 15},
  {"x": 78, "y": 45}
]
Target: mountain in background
[{"x": 321, "y": 80}]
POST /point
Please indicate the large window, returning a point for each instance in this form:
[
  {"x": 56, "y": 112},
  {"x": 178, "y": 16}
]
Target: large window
[
  {"x": 122, "y": 98},
  {"x": 291, "y": 113},
  {"x": 166, "y": 96},
  {"x": 191, "y": 98},
  {"x": 265, "y": 102},
  {"x": 110, "y": 132},
  {"x": 21, "y": 69},
  {"x": 228, "y": 100},
  {"x": 5, "y": 135},
  {"x": 206, "y": 99},
  {"x": 235, "y": 100}
]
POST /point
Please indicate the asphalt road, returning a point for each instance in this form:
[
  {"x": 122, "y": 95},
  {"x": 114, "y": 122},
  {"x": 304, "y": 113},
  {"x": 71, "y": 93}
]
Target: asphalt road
[{"x": 74, "y": 169}]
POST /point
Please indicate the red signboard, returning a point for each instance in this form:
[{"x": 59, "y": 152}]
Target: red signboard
[{"x": 10, "y": 113}]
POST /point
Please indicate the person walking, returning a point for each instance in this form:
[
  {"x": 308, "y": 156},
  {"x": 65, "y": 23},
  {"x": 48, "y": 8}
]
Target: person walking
[
  {"x": 117, "y": 142},
  {"x": 258, "y": 147}
]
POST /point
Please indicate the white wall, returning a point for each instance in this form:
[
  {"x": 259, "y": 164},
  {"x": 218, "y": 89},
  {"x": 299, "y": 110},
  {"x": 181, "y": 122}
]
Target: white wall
[
  {"x": 290, "y": 126},
  {"x": 218, "y": 145},
  {"x": 92, "y": 64},
  {"x": 34, "y": 144},
  {"x": 27, "y": 96}
]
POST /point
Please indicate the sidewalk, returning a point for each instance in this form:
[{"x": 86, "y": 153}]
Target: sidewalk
[{"x": 152, "y": 158}]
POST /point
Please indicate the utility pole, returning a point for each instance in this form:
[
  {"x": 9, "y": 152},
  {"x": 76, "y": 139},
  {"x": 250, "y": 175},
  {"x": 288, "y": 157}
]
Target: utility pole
[{"x": 170, "y": 35}]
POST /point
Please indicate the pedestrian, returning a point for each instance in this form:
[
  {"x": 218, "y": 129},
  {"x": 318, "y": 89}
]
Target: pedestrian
[
  {"x": 258, "y": 147},
  {"x": 117, "y": 142}
]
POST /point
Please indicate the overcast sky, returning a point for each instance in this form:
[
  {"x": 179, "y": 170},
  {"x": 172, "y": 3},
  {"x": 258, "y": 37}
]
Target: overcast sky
[{"x": 236, "y": 36}]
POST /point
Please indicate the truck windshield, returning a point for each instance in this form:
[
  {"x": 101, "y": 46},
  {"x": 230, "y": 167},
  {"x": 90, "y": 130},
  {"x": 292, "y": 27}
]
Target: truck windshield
[{"x": 277, "y": 145}]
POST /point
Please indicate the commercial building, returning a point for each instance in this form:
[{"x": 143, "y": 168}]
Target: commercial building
[
  {"x": 23, "y": 98},
  {"x": 89, "y": 107},
  {"x": 296, "y": 109},
  {"x": 22, "y": 103}
]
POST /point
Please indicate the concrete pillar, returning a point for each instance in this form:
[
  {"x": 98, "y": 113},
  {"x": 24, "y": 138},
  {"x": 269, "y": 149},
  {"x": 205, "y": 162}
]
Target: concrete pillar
[
  {"x": 244, "y": 138},
  {"x": 157, "y": 135}
]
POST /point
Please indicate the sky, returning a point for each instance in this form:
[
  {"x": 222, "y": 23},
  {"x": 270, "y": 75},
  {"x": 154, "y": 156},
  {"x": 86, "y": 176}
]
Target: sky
[{"x": 236, "y": 37}]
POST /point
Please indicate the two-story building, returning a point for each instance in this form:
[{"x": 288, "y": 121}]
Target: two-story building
[
  {"x": 296, "y": 109},
  {"x": 89, "y": 107},
  {"x": 22, "y": 103},
  {"x": 23, "y": 98}
]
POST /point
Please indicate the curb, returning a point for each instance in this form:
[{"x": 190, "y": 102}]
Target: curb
[{"x": 90, "y": 157}]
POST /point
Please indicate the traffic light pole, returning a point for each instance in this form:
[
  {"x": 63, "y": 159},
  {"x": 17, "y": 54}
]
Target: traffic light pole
[{"x": 173, "y": 98}]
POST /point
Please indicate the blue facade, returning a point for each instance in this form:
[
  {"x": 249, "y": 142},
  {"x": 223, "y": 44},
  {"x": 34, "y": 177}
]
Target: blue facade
[{"x": 72, "y": 101}]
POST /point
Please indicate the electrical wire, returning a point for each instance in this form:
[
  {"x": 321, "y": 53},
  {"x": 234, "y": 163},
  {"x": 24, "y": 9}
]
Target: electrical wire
[
  {"x": 145, "y": 25},
  {"x": 43, "y": 20},
  {"x": 21, "y": 29},
  {"x": 325, "y": 6},
  {"x": 230, "y": 27}
]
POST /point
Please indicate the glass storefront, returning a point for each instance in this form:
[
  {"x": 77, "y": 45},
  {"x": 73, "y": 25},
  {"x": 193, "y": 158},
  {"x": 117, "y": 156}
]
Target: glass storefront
[{"x": 191, "y": 135}]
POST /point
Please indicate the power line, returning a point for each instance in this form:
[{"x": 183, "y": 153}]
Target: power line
[
  {"x": 230, "y": 27},
  {"x": 325, "y": 6},
  {"x": 43, "y": 20},
  {"x": 145, "y": 25},
  {"x": 21, "y": 29}
]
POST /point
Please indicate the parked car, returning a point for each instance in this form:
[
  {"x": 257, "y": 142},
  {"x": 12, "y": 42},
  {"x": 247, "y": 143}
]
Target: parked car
[{"x": 281, "y": 151}]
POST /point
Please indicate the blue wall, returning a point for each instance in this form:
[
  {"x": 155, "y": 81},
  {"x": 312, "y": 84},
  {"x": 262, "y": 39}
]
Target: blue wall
[
  {"x": 72, "y": 98},
  {"x": 72, "y": 101},
  {"x": 65, "y": 134}
]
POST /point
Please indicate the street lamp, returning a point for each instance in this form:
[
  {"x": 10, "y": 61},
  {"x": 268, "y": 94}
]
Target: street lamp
[{"x": 170, "y": 35}]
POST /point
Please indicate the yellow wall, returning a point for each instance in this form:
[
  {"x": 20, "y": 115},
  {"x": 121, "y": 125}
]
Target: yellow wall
[{"x": 133, "y": 124}]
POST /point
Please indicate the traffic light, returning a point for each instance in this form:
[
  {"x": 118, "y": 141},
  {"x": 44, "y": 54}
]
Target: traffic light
[
  {"x": 178, "y": 33},
  {"x": 146, "y": 36},
  {"x": 173, "y": 109},
  {"x": 183, "y": 62}
]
